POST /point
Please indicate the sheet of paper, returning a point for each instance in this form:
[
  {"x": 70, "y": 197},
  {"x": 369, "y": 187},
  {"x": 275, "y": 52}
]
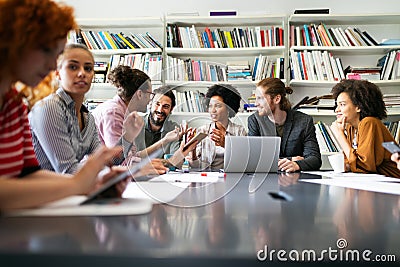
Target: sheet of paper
[
  {"x": 369, "y": 182},
  {"x": 70, "y": 207},
  {"x": 192, "y": 177},
  {"x": 156, "y": 192},
  {"x": 331, "y": 174}
]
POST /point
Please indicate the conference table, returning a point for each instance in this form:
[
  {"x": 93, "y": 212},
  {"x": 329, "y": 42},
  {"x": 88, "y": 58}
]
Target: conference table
[{"x": 241, "y": 220}]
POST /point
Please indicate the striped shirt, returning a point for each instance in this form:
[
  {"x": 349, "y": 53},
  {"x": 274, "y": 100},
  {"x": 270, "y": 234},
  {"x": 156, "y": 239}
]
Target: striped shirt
[
  {"x": 17, "y": 156},
  {"x": 59, "y": 143}
]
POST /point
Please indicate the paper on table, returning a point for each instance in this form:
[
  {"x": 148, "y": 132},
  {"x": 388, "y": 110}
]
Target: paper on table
[
  {"x": 194, "y": 177},
  {"x": 162, "y": 192},
  {"x": 369, "y": 182},
  {"x": 70, "y": 206}
]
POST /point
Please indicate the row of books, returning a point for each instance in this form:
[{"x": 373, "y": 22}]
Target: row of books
[
  {"x": 238, "y": 70},
  {"x": 265, "y": 66},
  {"x": 315, "y": 66},
  {"x": 107, "y": 40},
  {"x": 328, "y": 143},
  {"x": 390, "y": 65},
  {"x": 151, "y": 64},
  {"x": 363, "y": 73},
  {"x": 190, "y": 101},
  {"x": 320, "y": 35},
  {"x": 195, "y": 70},
  {"x": 190, "y": 37},
  {"x": 326, "y": 140},
  {"x": 394, "y": 129},
  {"x": 392, "y": 100}
]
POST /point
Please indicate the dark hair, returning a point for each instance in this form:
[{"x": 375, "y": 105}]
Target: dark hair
[
  {"x": 167, "y": 91},
  {"x": 363, "y": 94},
  {"x": 229, "y": 94},
  {"x": 274, "y": 87},
  {"x": 128, "y": 81},
  {"x": 28, "y": 24},
  {"x": 71, "y": 46}
]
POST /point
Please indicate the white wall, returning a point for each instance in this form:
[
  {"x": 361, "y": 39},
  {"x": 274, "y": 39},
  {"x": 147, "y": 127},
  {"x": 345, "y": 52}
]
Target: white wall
[{"x": 131, "y": 8}]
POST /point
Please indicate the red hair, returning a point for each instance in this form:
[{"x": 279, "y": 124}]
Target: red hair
[{"x": 31, "y": 24}]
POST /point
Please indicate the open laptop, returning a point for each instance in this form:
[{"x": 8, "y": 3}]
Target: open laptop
[{"x": 251, "y": 153}]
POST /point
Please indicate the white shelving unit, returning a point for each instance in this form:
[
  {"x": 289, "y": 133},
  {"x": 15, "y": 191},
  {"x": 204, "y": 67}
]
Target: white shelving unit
[
  {"x": 379, "y": 26},
  {"x": 153, "y": 25},
  {"x": 224, "y": 55}
]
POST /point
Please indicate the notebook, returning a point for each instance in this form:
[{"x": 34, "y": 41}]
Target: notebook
[{"x": 251, "y": 153}]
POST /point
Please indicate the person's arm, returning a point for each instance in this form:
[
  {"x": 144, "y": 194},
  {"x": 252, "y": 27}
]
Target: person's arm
[
  {"x": 111, "y": 127},
  {"x": 370, "y": 152},
  {"x": 44, "y": 186},
  {"x": 396, "y": 158},
  {"x": 311, "y": 153},
  {"x": 253, "y": 126},
  {"x": 54, "y": 133},
  {"x": 171, "y": 136},
  {"x": 133, "y": 124}
]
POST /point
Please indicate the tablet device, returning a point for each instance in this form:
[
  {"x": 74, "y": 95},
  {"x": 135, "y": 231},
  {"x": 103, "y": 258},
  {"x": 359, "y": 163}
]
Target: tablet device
[
  {"x": 108, "y": 185},
  {"x": 197, "y": 137},
  {"x": 392, "y": 147}
]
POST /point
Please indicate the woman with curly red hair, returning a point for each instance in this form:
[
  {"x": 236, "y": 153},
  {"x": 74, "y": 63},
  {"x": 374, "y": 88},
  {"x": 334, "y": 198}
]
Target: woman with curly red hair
[{"x": 33, "y": 34}]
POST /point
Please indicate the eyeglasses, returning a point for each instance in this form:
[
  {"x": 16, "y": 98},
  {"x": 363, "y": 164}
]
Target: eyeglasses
[{"x": 151, "y": 94}]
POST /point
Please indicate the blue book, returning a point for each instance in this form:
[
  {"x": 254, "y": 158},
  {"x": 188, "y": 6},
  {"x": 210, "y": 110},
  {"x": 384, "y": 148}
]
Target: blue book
[
  {"x": 307, "y": 34},
  {"x": 105, "y": 40}
]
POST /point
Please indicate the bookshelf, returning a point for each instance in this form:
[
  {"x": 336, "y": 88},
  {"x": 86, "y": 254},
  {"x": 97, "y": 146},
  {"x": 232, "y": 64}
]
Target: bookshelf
[
  {"x": 199, "y": 53},
  {"x": 144, "y": 55},
  {"x": 379, "y": 26}
]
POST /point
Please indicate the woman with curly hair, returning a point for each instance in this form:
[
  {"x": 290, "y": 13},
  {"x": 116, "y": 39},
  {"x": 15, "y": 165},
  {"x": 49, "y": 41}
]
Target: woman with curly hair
[
  {"x": 359, "y": 130},
  {"x": 33, "y": 34},
  {"x": 223, "y": 104}
]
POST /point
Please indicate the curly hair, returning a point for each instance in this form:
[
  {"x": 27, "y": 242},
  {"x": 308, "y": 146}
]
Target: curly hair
[
  {"x": 229, "y": 94},
  {"x": 31, "y": 24},
  {"x": 167, "y": 91},
  {"x": 274, "y": 87},
  {"x": 128, "y": 81},
  {"x": 363, "y": 94}
]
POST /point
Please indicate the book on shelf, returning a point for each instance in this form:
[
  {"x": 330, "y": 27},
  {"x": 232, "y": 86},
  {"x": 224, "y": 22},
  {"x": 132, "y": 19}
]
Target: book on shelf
[
  {"x": 326, "y": 140},
  {"x": 362, "y": 73},
  {"x": 323, "y": 102}
]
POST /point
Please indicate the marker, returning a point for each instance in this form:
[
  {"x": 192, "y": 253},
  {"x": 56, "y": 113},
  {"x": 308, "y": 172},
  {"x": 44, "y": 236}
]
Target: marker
[{"x": 218, "y": 174}]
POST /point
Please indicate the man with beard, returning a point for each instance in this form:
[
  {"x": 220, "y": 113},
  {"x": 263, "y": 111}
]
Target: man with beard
[{"x": 159, "y": 130}]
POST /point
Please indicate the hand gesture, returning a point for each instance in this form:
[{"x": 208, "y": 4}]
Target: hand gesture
[
  {"x": 218, "y": 134},
  {"x": 86, "y": 177},
  {"x": 338, "y": 126},
  {"x": 133, "y": 124}
]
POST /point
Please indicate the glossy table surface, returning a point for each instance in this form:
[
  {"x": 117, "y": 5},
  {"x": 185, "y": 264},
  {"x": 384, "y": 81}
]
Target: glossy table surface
[{"x": 243, "y": 220}]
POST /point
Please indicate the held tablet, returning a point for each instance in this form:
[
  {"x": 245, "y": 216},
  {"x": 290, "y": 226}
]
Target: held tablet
[
  {"x": 392, "y": 147},
  {"x": 197, "y": 137},
  {"x": 131, "y": 171}
]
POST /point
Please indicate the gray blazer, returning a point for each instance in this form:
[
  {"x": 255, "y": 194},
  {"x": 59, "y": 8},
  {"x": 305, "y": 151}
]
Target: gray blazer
[{"x": 298, "y": 139}]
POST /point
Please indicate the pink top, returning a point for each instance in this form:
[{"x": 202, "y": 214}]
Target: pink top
[{"x": 109, "y": 117}]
